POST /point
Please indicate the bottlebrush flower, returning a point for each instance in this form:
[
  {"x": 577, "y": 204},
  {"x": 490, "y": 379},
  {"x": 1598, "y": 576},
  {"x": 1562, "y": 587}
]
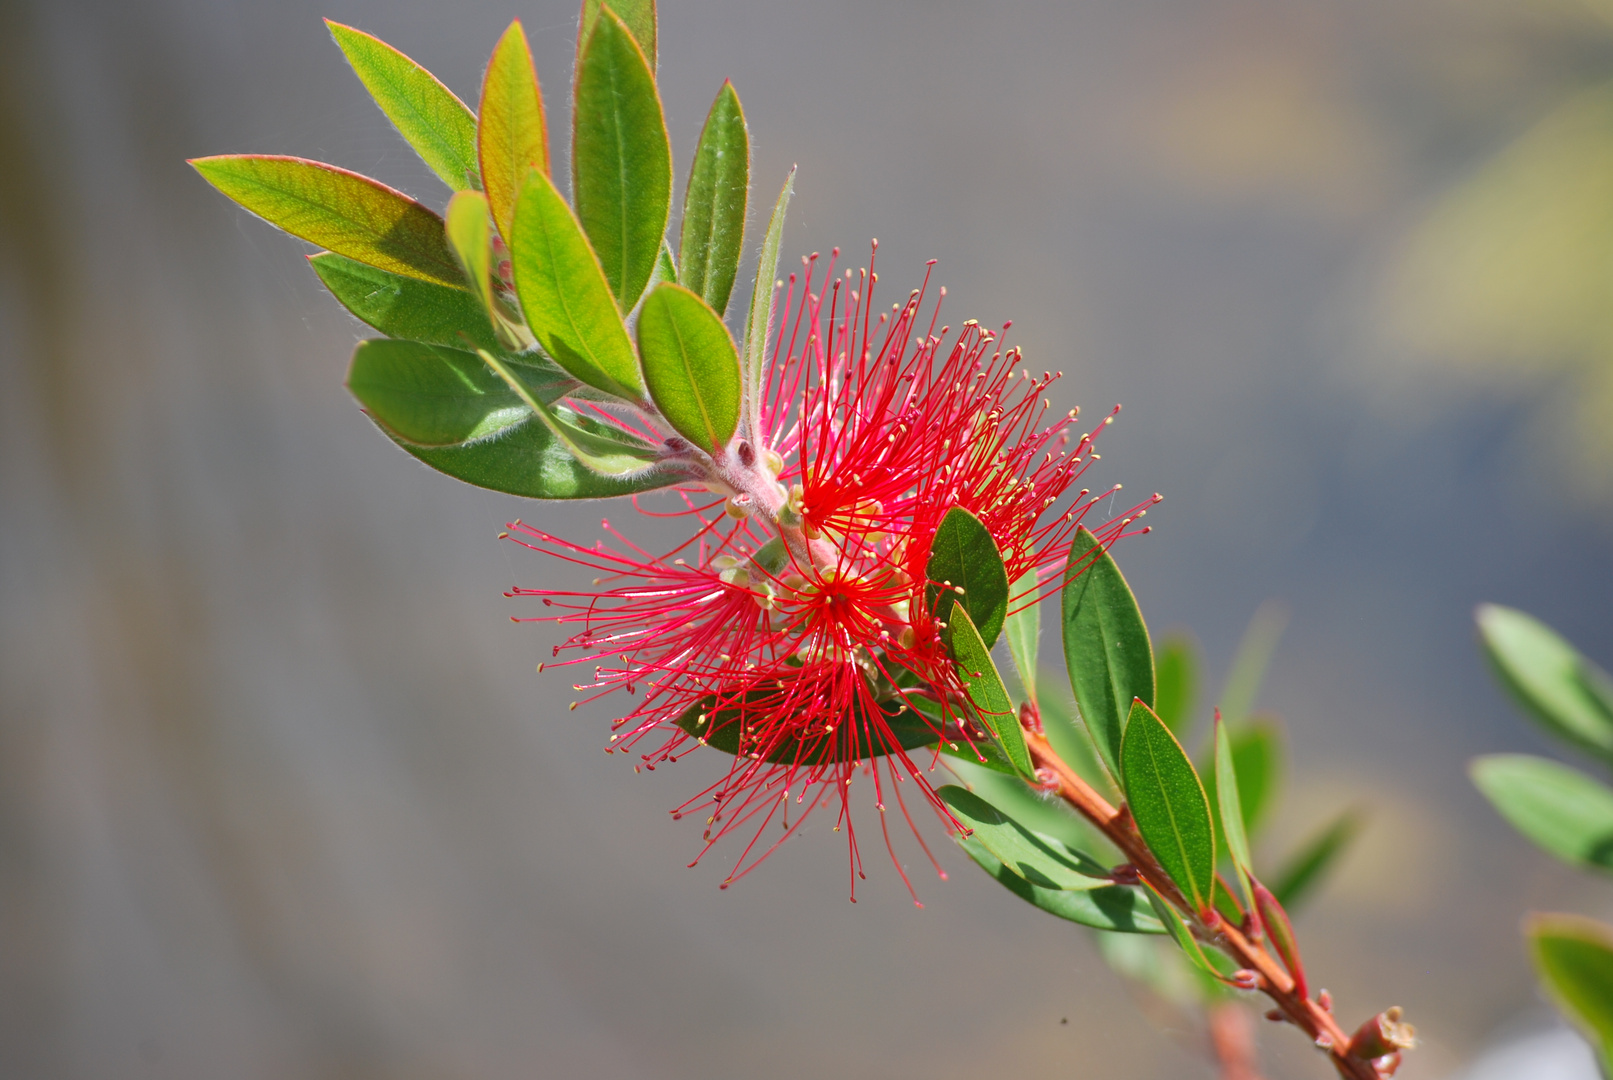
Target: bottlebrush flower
[{"x": 815, "y": 654}]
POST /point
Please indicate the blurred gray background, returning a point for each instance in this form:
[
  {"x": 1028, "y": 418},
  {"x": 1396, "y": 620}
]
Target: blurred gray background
[{"x": 280, "y": 794}]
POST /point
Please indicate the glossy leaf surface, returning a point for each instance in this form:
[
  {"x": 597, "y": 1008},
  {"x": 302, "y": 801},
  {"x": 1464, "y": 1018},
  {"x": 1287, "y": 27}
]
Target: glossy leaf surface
[
  {"x": 986, "y": 691},
  {"x": 1561, "y": 809},
  {"x": 406, "y": 307},
  {"x": 621, "y": 160},
  {"x": 436, "y": 123},
  {"x": 1307, "y": 867},
  {"x": 1574, "y": 958},
  {"x": 759, "y": 320},
  {"x": 1547, "y": 677},
  {"x": 1168, "y": 803},
  {"x": 1024, "y": 630},
  {"x": 964, "y": 556},
  {"x": 350, "y": 214},
  {"x": 511, "y": 135},
  {"x": 690, "y": 366},
  {"x": 714, "y": 204},
  {"x": 428, "y": 395},
  {"x": 1040, "y": 860},
  {"x": 564, "y": 295},
  {"x": 1106, "y": 646},
  {"x": 639, "y": 15},
  {"x": 1177, "y": 679}
]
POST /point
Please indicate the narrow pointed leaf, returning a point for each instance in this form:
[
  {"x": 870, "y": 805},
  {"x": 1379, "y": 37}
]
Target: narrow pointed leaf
[
  {"x": 1281, "y": 932},
  {"x": 620, "y": 456},
  {"x": 511, "y": 136},
  {"x": 1250, "y": 663},
  {"x": 1547, "y": 677},
  {"x": 350, "y": 214},
  {"x": 621, "y": 159},
  {"x": 1116, "y": 908},
  {"x": 1177, "y": 929},
  {"x": 1574, "y": 957},
  {"x": 471, "y": 239},
  {"x": 714, "y": 204},
  {"x": 1231, "y": 807},
  {"x": 564, "y": 295},
  {"x": 429, "y": 395},
  {"x": 1305, "y": 869},
  {"x": 690, "y": 366},
  {"x": 666, "y": 267},
  {"x": 639, "y": 15},
  {"x": 986, "y": 690},
  {"x": 1024, "y": 630},
  {"x": 1106, "y": 646},
  {"x": 1561, "y": 809},
  {"x": 759, "y": 321},
  {"x": 1257, "y": 761},
  {"x": 437, "y": 124},
  {"x": 1176, "y": 695},
  {"x": 964, "y": 556},
  {"x": 1040, "y": 860},
  {"x": 406, "y": 307},
  {"x": 1168, "y": 803}
]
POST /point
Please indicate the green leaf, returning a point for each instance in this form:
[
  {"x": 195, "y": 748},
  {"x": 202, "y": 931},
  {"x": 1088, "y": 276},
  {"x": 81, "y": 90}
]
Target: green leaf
[
  {"x": 622, "y": 454},
  {"x": 434, "y": 396},
  {"x": 639, "y": 15},
  {"x": 437, "y": 124},
  {"x": 759, "y": 322},
  {"x": 801, "y": 739},
  {"x": 1024, "y": 630},
  {"x": 1106, "y": 646},
  {"x": 1116, "y": 908},
  {"x": 1547, "y": 677},
  {"x": 350, "y": 214},
  {"x": 1168, "y": 803},
  {"x": 405, "y": 307},
  {"x": 470, "y": 237},
  {"x": 690, "y": 366},
  {"x": 985, "y": 687},
  {"x": 511, "y": 136},
  {"x": 1040, "y": 860},
  {"x": 1305, "y": 869},
  {"x": 714, "y": 204},
  {"x": 966, "y": 568},
  {"x": 1176, "y": 696},
  {"x": 1257, "y": 759},
  {"x": 1250, "y": 663},
  {"x": 564, "y": 295},
  {"x": 1574, "y": 958},
  {"x": 1177, "y": 929},
  {"x": 1231, "y": 807},
  {"x": 526, "y": 459},
  {"x": 621, "y": 159},
  {"x": 1561, "y": 809}
]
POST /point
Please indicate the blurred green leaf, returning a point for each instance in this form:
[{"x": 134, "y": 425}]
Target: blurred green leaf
[
  {"x": 1168, "y": 804},
  {"x": 690, "y": 366},
  {"x": 714, "y": 204},
  {"x": 1561, "y": 809},
  {"x": 1070, "y": 740},
  {"x": 437, "y": 124},
  {"x": 1007, "y": 792},
  {"x": 526, "y": 459},
  {"x": 511, "y": 135},
  {"x": 801, "y": 740},
  {"x": 350, "y": 214},
  {"x": 428, "y": 395},
  {"x": 1231, "y": 808},
  {"x": 1040, "y": 860},
  {"x": 621, "y": 160},
  {"x": 1250, "y": 663},
  {"x": 1574, "y": 958},
  {"x": 1547, "y": 677},
  {"x": 759, "y": 321},
  {"x": 1106, "y": 646},
  {"x": 1024, "y": 630},
  {"x": 985, "y": 686},
  {"x": 1305, "y": 869},
  {"x": 1118, "y": 908},
  {"x": 963, "y": 556},
  {"x": 406, "y": 307},
  {"x": 1176, "y": 697},
  {"x": 564, "y": 294},
  {"x": 639, "y": 15}
]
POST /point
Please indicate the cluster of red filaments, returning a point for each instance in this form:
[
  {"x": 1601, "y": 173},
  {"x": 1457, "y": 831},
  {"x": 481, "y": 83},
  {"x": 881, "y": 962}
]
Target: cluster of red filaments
[{"x": 804, "y": 644}]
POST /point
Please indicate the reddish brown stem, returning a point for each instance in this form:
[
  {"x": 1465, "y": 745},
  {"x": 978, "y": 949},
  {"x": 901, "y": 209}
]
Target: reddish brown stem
[
  {"x": 1232, "y": 1037},
  {"x": 1272, "y": 980}
]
